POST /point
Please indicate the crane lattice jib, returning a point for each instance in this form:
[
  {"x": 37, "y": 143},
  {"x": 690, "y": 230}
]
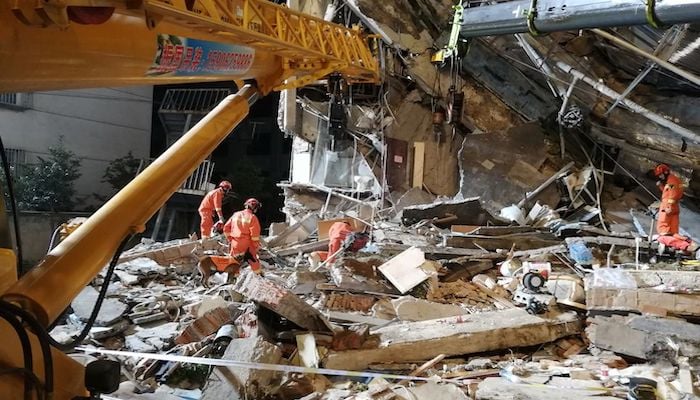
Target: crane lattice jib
[{"x": 310, "y": 47}]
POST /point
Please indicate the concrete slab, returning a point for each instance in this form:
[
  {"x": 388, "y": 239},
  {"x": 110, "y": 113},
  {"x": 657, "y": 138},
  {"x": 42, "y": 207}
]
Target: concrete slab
[
  {"x": 243, "y": 383},
  {"x": 468, "y": 334},
  {"x": 111, "y": 310},
  {"x": 644, "y": 337}
]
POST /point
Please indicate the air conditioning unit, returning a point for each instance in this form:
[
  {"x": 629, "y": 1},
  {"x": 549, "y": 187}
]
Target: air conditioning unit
[{"x": 16, "y": 100}]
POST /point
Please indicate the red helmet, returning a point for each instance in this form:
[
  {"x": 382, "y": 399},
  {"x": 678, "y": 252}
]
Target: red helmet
[
  {"x": 252, "y": 204},
  {"x": 661, "y": 169},
  {"x": 226, "y": 185}
]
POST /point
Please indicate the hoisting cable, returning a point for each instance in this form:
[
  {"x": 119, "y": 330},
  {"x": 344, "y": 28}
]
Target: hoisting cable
[{"x": 45, "y": 339}]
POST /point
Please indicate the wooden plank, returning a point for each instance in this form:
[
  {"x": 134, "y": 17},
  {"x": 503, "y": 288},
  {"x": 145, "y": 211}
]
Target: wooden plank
[
  {"x": 521, "y": 241},
  {"x": 418, "y": 164},
  {"x": 419, "y": 371},
  {"x": 303, "y": 248},
  {"x": 358, "y": 318},
  {"x": 464, "y": 334},
  {"x": 397, "y": 163},
  {"x": 464, "y": 228}
]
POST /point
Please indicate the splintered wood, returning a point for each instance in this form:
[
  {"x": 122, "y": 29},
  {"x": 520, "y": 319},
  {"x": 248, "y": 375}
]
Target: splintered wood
[
  {"x": 349, "y": 302},
  {"x": 460, "y": 292}
]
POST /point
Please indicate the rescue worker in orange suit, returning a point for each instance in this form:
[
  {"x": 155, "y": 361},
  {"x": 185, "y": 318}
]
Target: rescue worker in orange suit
[
  {"x": 243, "y": 232},
  {"x": 212, "y": 203},
  {"x": 340, "y": 235},
  {"x": 668, "y": 224}
]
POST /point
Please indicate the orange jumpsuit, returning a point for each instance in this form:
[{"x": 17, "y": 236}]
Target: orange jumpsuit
[
  {"x": 243, "y": 232},
  {"x": 336, "y": 234},
  {"x": 669, "y": 211},
  {"x": 212, "y": 202}
]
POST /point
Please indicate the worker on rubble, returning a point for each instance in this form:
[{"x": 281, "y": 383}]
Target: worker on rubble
[
  {"x": 341, "y": 237},
  {"x": 668, "y": 224},
  {"x": 243, "y": 233},
  {"x": 211, "y": 203}
]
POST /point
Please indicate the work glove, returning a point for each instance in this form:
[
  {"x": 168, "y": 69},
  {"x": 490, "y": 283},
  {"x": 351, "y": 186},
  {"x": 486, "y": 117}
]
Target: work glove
[{"x": 219, "y": 227}]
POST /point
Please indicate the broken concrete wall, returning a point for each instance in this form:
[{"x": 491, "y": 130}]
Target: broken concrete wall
[
  {"x": 414, "y": 124},
  {"x": 521, "y": 94},
  {"x": 517, "y": 159}
]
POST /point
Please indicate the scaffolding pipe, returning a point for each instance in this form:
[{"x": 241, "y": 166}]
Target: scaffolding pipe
[
  {"x": 629, "y": 46},
  {"x": 564, "y": 15},
  {"x": 629, "y": 104}
]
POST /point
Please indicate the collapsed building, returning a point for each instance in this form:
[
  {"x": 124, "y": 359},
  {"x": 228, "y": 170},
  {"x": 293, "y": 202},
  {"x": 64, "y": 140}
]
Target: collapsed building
[{"x": 506, "y": 193}]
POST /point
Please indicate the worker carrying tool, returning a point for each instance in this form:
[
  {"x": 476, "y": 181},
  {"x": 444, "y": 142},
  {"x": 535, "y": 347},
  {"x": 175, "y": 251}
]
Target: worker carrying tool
[
  {"x": 243, "y": 233},
  {"x": 212, "y": 202},
  {"x": 668, "y": 224},
  {"x": 341, "y": 238}
]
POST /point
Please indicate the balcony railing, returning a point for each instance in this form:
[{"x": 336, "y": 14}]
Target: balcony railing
[
  {"x": 192, "y": 101},
  {"x": 197, "y": 183}
]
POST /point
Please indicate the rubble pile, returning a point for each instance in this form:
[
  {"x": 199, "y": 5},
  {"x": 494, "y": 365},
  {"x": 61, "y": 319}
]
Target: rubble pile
[{"x": 446, "y": 301}]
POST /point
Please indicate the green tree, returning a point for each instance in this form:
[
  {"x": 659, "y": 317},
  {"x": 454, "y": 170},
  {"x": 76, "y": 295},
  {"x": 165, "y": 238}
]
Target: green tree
[
  {"x": 121, "y": 171},
  {"x": 49, "y": 185}
]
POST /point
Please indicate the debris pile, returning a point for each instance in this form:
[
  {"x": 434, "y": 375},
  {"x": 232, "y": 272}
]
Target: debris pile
[{"x": 447, "y": 300}]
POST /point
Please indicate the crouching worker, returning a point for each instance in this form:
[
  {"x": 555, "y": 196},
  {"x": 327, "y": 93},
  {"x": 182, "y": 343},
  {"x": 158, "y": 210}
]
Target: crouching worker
[
  {"x": 243, "y": 233},
  {"x": 668, "y": 224},
  {"x": 341, "y": 238}
]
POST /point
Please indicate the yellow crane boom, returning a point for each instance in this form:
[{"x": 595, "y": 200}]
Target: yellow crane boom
[
  {"x": 65, "y": 44},
  {"x": 61, "y": 44}
]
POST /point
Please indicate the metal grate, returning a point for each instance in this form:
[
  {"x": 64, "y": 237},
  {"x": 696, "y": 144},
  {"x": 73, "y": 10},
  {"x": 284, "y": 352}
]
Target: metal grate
[{"x": 16, "y": 158}]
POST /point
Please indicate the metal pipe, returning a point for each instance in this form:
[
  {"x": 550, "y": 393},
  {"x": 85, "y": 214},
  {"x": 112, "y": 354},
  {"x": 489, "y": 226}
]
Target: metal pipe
[
  {"x": 629, "y": 46},
  {"x": 564, "y": 15},
  {"x": 686, "y": 133},
  {"x": 667, "y": 45},
  {"x": 50, "y": 287},
  {"x": 557, "y": 89}
]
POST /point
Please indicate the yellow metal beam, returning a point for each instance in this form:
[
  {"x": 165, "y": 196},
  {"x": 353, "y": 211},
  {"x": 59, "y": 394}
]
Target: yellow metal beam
[
  {"x": 50, "y": 287},
  {"x": 301, "y": 40}
]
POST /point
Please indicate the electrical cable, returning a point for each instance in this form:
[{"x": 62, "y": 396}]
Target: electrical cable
[
  {"x": 595, "y": 94},
  {"x": 621, "y": 167},
  {"x": 26, "y": 348},
  {"x": 45, "y": 339},
  {"x": 13, "y": 200},
  {"x": 98, "y": 303},
  {"x": 53, "y": 238},
  {"x": 598, "y": 186},
  {"x": 35, "y": 381}
]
